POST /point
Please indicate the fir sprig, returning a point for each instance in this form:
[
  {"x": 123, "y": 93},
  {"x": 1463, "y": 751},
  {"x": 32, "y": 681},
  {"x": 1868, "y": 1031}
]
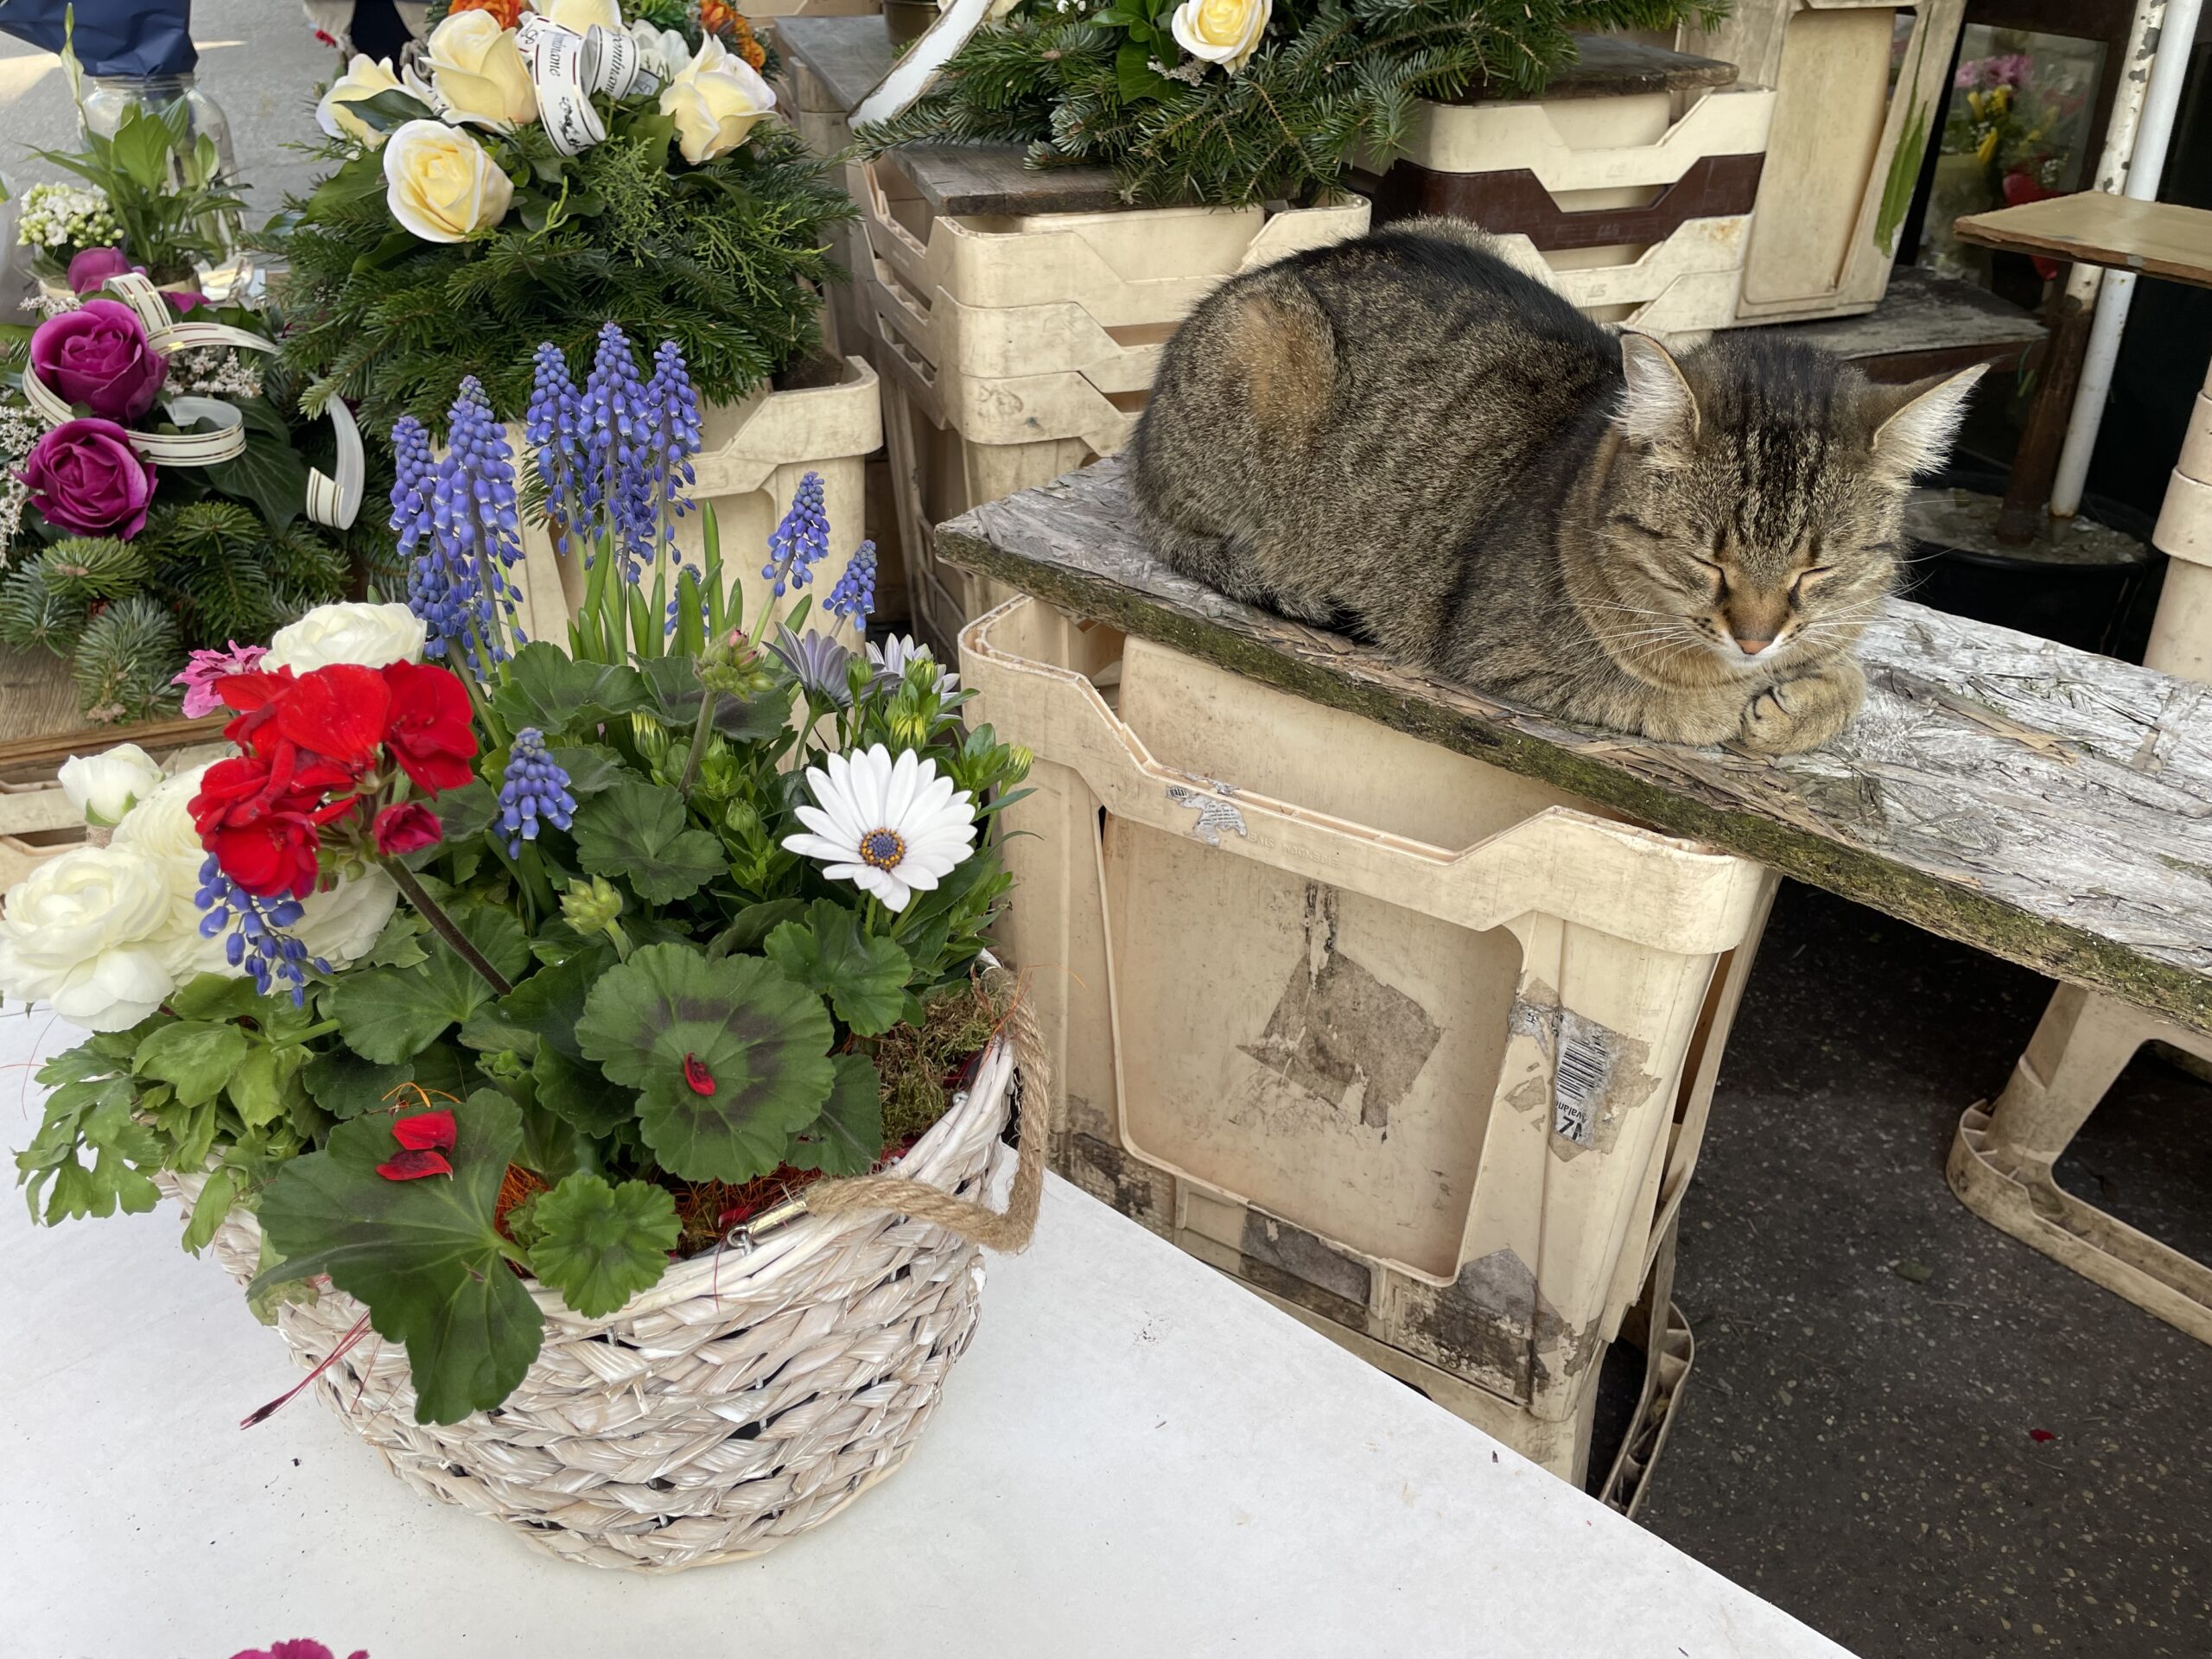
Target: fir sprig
[{"x": 1338, "y": 79}]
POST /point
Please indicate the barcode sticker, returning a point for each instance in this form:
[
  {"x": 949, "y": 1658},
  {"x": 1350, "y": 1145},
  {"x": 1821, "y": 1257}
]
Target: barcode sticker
[{"x": 1579, "y": 1080}]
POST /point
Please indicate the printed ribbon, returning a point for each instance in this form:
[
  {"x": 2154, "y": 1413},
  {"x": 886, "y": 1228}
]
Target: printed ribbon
[
  {"x": 565, "y": 68},
  {"x": 334, "y": 502}
]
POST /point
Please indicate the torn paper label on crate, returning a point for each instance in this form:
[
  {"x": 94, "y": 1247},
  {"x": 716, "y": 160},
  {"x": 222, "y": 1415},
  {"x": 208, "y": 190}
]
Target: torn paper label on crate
[{"x": 1215, "y": 814}]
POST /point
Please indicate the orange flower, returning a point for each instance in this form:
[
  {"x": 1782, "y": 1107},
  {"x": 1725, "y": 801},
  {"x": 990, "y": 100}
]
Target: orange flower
[
  {"x": 719, "y": 17},
  {"x": 508, "y": 12}
]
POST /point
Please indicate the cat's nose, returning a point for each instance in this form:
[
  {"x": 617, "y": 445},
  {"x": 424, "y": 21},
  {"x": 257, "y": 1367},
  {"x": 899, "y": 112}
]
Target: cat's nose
[{"x": 1749, "y": 646}]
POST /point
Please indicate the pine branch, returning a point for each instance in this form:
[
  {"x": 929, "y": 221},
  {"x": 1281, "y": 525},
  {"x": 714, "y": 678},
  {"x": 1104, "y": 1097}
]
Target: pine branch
[{"x": 124, "y": 661}]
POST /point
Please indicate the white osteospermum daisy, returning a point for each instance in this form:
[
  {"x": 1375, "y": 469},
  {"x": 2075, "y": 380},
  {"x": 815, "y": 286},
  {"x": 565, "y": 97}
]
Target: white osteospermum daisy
[
  {"x": 890, "y": 659},
  {"x": 891, "y": 828}
]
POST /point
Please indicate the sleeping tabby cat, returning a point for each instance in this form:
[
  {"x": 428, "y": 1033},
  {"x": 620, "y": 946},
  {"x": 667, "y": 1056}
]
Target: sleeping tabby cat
[{"x": 1410, "y": 439}]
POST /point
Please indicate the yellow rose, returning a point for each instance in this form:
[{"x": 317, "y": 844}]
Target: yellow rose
[
  {"x": 478, "y": 69},
  {"x": 364, "y": 79},
  {"x": 578, "y": 16},
  {"x": 716, "y": 99},
  {"x": 1226, "y": 32},
  {"x": 439, "y": 184}
]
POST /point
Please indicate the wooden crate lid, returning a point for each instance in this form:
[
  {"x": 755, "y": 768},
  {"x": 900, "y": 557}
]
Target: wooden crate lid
[{"x": 2158, "y": 239}]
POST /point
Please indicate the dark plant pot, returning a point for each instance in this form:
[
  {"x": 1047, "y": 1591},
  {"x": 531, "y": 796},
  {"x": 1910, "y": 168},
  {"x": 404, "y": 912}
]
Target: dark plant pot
[
  {"x": 2102, "y": 603},
  {"x": 908, "y": 20}
]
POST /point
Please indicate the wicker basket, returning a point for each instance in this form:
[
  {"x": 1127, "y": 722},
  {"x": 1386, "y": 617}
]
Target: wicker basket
[{"x": 742, "y": 1400}]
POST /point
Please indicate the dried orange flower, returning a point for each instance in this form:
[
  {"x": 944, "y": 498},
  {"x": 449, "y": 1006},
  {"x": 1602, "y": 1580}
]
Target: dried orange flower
[
  {"x": 719, "y": 17},
  {"x": 508, "y": 12}
]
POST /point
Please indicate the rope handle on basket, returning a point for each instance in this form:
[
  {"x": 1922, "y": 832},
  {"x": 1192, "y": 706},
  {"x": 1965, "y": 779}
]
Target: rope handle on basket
[{"x": 976, "y": 1223}]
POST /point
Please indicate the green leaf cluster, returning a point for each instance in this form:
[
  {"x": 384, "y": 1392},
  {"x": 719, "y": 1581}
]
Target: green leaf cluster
[{"x": 1332, "y": 81}]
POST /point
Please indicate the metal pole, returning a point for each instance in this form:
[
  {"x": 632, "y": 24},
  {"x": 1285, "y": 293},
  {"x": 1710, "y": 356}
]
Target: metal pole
[{"x": 2172, "y": 39}]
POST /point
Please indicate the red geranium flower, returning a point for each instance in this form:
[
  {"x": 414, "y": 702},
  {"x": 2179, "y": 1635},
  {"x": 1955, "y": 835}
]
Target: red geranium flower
[
  {"x": 413, "y": 1165},
  {"x": 424, "y": 1131},
  {"x": 405, "y": 828},
  {"x": 338, "y": 713},
  {"x": 430, "y": 733}
]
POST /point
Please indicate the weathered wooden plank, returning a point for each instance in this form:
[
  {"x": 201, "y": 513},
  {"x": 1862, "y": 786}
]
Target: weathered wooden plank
[
  {"x": 2048, "y": 806},
  {"x": 2159, "y": 239},
  {"x": 995, "y": 179},
  {"x": 1606, "y": 66},
  {"x": 845, "y": 55},
  {"x": 1925, "y": 324}
]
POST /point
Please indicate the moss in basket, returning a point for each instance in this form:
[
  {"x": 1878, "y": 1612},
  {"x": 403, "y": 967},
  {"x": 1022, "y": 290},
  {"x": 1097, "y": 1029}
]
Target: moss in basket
[{"x": 510, "y": 956}]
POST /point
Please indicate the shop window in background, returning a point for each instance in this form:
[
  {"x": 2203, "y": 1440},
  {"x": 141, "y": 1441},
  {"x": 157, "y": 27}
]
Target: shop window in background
[{"x": 2017, "y": 130}]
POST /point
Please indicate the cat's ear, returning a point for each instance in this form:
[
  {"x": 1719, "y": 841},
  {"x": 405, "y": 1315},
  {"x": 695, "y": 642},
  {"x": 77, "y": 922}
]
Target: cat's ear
[
  {"x": 1658, "y": 409},
  {"x": 1914, "y": 425}
]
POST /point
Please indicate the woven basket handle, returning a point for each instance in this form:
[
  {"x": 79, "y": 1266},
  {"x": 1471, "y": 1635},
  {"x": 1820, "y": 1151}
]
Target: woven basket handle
[{"x": 993, "y": 1230}]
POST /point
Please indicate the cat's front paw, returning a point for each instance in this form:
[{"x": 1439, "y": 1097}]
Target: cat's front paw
[{"x": 1792, "y": 715}]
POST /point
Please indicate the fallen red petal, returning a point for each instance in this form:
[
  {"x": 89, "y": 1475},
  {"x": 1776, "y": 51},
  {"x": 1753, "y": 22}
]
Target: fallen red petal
[
  {"x": 2041, "y": 1436},
  {"x": 414, "y": 1164},
  {"x": 696, "y": 1077},
  {"x": 424, "y": 1130}
]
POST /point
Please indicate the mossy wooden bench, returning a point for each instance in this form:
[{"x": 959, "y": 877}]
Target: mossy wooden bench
[{"x": 2048, "y": 806}]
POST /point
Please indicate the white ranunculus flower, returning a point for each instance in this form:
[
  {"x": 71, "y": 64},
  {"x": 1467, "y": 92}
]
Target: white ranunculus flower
[
  {"x": 891, "y": 828},
  {"x": 716, "y": 100},
  {"x": 88, "y": 932},
  {"x": 1226, "y": 32},
  {"x": 478, "y": 69},
  {"x": 662, "y": 52},
  {"x": 578, "y": 16},
  {"x": 441, "y": 184},
  {"x": 375, "y": 636},
  {"x": 339, "y": 924},
  {"x": 104, "y": 786},
  {"x": 161, "y": 827},
  {"x": 364, "y": 79}
]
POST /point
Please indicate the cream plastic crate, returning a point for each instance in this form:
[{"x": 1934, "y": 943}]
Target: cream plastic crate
[
  {"x": 1592, "y": 153},
  {"x": 1839, "y": 119},
  {"x": 36, "y": 820},
  {"x": 1138, "y": 265},
  {"x": 751, "y": 456},
  {"x": 813, "y": 110},
  {"x": 1421, "y": 1046},
  {"x": 1687, "y": 285},
  {"x": 1013, "y": 341}
]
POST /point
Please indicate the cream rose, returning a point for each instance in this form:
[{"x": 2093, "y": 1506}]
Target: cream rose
[
  {"x": 364, "y": 79},
  {"x": 1226, "y": 32},
  {"x": 439, "y": 184},
  {"x": 661, "y": 51},
  {"x": 716, "y": 99},
  {"x": 88, "y": 932},
  {"x": 372, "y": 635},
  {"x": 581, "y": 15},
  {"x": 478, "y": 69},
  {"x": 104, "y": 786}
]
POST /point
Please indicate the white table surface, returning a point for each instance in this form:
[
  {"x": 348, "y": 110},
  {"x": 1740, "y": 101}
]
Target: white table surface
[{"x": 1136, "y": 1458}]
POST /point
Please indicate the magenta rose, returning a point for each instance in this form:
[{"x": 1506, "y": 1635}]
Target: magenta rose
[
  {"x": 98, "y": 356},
  {"x": 91, "y": 268},
  {"x": 85, "y": 476}
]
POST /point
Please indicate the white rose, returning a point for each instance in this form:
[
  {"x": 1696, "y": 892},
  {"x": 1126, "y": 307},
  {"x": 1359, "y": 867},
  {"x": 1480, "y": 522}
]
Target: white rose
[
  {"x": 374, "y": 636},
  {"x": 339, "y": 924},
  {"x": 478, "y": 69},
  {"x": 104, "y": 786},
  {"x": 716, "y": 99},
  {"x": 661, "y": 51},
  {"x": 161, "y": 828},
  {"x": 580, "y": 15},
  {"x": 364, "y": 79},
  {"x": 1226, "y": 32},
  {"x": 441, "y": 184},
  {"x": 88, "y": 932}
]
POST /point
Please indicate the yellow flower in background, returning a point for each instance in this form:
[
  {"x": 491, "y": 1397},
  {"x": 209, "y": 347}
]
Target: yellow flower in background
[
  {"x": 716, "y": 100},
  {"x": 364, "y": 79},
  {"x": 477, "y": 69},
  {"x": 581, "y": 15},
  {"x": 1226, "y": 32},
  {"x": 441, "y": 184}
]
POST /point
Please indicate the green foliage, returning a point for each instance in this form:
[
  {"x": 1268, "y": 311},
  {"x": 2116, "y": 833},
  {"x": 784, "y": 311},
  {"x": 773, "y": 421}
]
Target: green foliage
[
  {"x": 1333, "y": 80},
  {"x": 169, "y": 195},
  {"x": 730, "y": 1059},
  {"x": 863, "y": 976},
  {"x": 122, "y": 661},
  {"x": 88, "y": 567},
  {"x": 33, "y": 616},
  {"x": 726, "y": 259},
  {"x": 424, "y": 1255},
  {"x": 637, "y": 832},
  {"x": 391, "y": 1015},
  {"x": 847, "y": 1139},
  {"x": 599, "y": 1245}
]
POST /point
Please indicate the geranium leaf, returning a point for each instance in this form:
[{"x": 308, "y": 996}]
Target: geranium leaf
[
  {"x": 848, "y": 1138},
  {"x": 674, "y": 684},
  {"x": 197, "y": 1059},
  {"x": 542, "y": 1009},
  {"x": 757, "y": 1044},
  {"x": 754, "y": 924},
  {"x": 599, "y": 1245},
  {"x": 258, "y": 1086},
  {"x": 390, "y": 1014},
  {"x": 216, "y": 996},
  {"x": 209, "y": 1208},
  {"x": 548, "y": 688},
  {"x": 345, "y": 1085},
  {"x": 864, "y": 978},
  {"x": 575, "y": 1091},
  {"x": 636, "y": 831},
  {"x": 591, "y": 767},
  {"x": 423, "y": 1255}
]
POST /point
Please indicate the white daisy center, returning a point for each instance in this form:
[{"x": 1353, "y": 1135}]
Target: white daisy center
[{"x": 882, "y": 849}]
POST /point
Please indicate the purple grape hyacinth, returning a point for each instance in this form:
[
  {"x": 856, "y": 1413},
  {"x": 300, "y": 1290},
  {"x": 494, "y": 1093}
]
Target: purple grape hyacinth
[
  {"x": 801, "y": 540},
  {"x": 854, "y": 596},
  {"x": 260, "y": 940},
  {"x": 534, "y": 790}
]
